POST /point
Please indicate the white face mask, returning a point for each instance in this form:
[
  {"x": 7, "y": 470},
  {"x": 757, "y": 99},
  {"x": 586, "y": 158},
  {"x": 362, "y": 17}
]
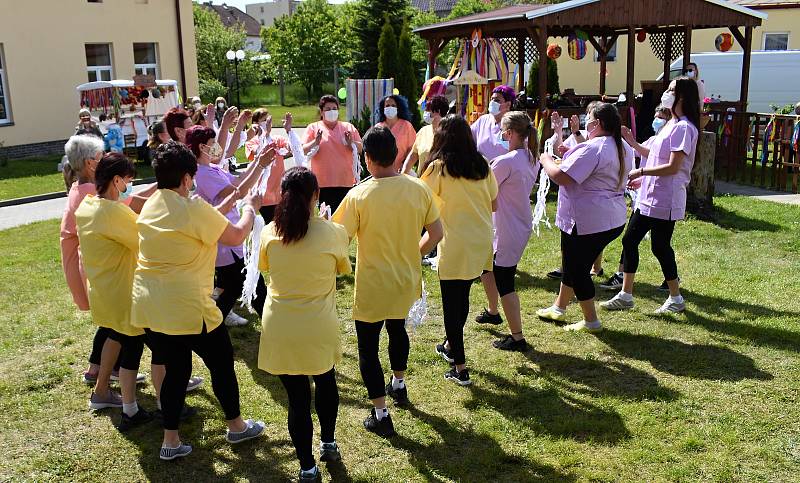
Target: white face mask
[
  {"x": 690, "y": 74},
  {"x": 215, "y": 151},
  {"x": 263, "y": 125},
  {"x": 391, "y": 112},
  {"x": 331, "y": 116},
  {"x": 494, "y": 108},
  {"x": 668, "y": 100},
  {"x": 427, "y": 117},
  {"x": 220, "y": 106},
  {"x": 197, "y": 105}
]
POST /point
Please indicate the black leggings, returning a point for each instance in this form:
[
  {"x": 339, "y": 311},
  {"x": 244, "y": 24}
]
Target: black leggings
[
  {"x": 578, "y": 253},
  {"x": 130, "y": 354},
  {"x": 504, "y": 279},
  {"x": 217, "y": 353},
  {"x": 230, "y": 278},
  {"x": 326, "y": 402},
  {"x": 660, "y": 243},
  {"x": 333, "y": 196},
  {"x": 369, "y": 337},
  {"x": 455, "y": 305},
  {"x": 99, "y": 341}
]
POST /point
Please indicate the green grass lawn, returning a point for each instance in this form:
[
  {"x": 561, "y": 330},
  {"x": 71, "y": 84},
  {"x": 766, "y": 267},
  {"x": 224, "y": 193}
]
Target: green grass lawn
[
  {"x": 711, "y": 395},
  {"x": 303, "y": 111}
]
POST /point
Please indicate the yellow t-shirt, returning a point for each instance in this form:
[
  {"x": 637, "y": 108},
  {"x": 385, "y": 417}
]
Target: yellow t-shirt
[
  {"x": 387, "y": 216},
  {"x": 109, "y": 243},
  {"x": 422, "y": 146},
  {"x": 175, "y": 274},
  {"x": 466, "y": 205},
  {"x": 300, "y": 330}
]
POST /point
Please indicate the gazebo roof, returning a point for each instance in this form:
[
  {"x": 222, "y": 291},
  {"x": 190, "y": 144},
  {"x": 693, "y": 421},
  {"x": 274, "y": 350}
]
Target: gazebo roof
[{"x": 598, "y": 16}]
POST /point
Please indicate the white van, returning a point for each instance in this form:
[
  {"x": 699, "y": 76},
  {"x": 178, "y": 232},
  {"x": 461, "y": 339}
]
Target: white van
[{"x": 774, "y": 76}]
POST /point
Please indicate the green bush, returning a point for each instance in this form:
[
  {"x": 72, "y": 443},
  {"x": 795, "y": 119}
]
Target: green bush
[{"x": 210, "y": 89}]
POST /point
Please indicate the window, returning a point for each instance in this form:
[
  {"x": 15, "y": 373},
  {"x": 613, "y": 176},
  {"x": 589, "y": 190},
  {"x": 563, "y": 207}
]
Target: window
[
  {"x": 776, "y": 41},
  {"x": 262, "y": 11},
  {"x": 95, "y": 1},
  {"x": 612, "y": 54},
  {"x": 262, "y": 21},
  {"x": 98, "y": 62},
  {"x": 5, "y": 112},
  {"x": 145, "y": 59}
]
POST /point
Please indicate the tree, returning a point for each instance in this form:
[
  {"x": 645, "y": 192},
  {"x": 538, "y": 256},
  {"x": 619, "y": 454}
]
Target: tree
[
  {"x": 552, "y": 78},
  {"x": 407, "y": 79},
  {"x": 388, "y": 64},
  {"x": 419, "y": 46},
  {"x": 306, "y": 45},
  {"x": 368, "y": 27}
]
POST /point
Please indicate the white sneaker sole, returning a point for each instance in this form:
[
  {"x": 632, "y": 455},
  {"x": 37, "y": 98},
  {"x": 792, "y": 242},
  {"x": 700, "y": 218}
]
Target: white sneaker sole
[
  {"x": 99, "y": 406},
  {"x": 617, "y": 308},
  {"x": 459, "y": 381}
]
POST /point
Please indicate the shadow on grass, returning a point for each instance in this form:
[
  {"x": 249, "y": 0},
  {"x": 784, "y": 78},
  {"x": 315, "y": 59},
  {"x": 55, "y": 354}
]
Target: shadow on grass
[
  {"x": 526, "y": 280},
  {"x": 463, "y": 452},
  {"x": 547, "y": 410},
  {"x": 733, "y": 221},
  {"x": 681, "y": 359}
]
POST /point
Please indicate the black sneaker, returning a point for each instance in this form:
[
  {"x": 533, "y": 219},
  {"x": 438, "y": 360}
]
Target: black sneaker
[
  {"x": 664, "y": 287},
  {"x": 555, "y": 274},
  {"x": 329, "y": 452},
  {"x": 461, "y": 378},
  {"x": 614, "y": 282},
  {"x": 508, "y": 343},
  {"x": 442, "y": 351},
  {"x": 486, "y": 318},
  {"x": 186, "y": 413},
  {"x": 129, "y": 422},
  {"x": 597, "y": 274},
  {"x": 400, "y": 396},
  {"x": 384, "y": 427}
]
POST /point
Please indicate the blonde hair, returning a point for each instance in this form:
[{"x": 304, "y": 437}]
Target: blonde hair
[{"x": 520, "y": 123}]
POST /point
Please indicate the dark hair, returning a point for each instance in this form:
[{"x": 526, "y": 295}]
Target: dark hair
[
  {"x": 293, "y": 212},
  {"x": 686, "y": 93},
  {"x": 326, "y": 99},
  {"x": 438, "y": 104},
  {"x": 112, "y": 164},
  {"x": 402, "y": 108},
  {"x": 103, "y": 117},
  {"x": 380, "y": 145},
  {"x": 155, "y": 129},
  {"x": 507, "y": 92},
  {"x": 197, "y": 135},
  {"x": 454, "y": 145},
  {"x": 172, "y": 162},
  {"x": 609, "y": 119},
  {"x": 174, "y": 119}
]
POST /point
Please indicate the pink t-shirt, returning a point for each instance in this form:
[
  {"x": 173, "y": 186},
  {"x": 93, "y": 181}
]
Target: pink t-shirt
[
  {"x": 273, "y": 193},
  {"x": 211, "y": 179},
  {"x": 513, "y": 220},
  {"x": 486, "y": 133},
  {"x": 404, "y": 136},
  {"x": 664, "y": 197},
  {"x": 333, "y": 163},
  {"x": 70, "y": 247},
  {"x": 595, "y": 202}
]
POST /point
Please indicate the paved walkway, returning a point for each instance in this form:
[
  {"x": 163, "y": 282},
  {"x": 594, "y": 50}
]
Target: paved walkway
[{"x": 721, "y": 187}]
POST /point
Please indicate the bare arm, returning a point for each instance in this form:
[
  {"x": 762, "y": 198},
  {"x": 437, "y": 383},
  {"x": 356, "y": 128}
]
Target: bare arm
[
  {"x": 676, "y": 160},
  {"x": 235, "y": 234},
  {"x": 225, "y": 125},
  {"x": 312, "y": 144},
  {"x": 627, "y": 135},
  {"x": 409, "y": 163},
  {"x": 433, "y": 235},
  {"x": 554, "y": 172},
  {"x": 244, "y": 118},
  {"x": 137, "y": 200},
  {"x": 251, "y": 176}
]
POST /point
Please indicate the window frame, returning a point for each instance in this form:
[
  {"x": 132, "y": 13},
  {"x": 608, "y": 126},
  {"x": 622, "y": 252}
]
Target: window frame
[
  {"x": 609, "y": 57},
  {"x": 8, "y": 119},
  {"x": 97, "y": 70},
  {"x": 764, "y": 41},
  {"x": 147, "y": 69}
]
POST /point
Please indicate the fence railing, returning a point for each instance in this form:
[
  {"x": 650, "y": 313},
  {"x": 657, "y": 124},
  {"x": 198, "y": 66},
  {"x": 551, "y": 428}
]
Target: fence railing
[{"x": 748, "y": 153}]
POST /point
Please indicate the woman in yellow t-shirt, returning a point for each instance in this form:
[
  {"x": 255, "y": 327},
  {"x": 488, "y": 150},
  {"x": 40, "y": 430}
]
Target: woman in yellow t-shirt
[
  {"x": 300, "y": 332},
  {"x": 107, "y": 233},
  {"x": 467, "y": 190},
  {"x": 435, "y": 109},
  {"x": 172, "y": 287}
]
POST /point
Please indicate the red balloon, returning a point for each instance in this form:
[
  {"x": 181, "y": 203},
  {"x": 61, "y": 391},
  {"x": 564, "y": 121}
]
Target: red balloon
[
  {"x": 724, "y": 42},
  {"x": 641, "y": 36},
  {"x": 554, "y": 51}
]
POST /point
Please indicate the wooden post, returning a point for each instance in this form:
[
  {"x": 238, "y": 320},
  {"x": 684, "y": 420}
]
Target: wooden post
[
  {"x": 667, "y": 60},
  {"x": 542, "y": 47},
  {"x": 521, "y": 63},
  {"x": 603, "y": 62},
  {"x": 748, "y": 51},
  {"x": 687, "y": 47},
  {"x": 629, "y": 94},
  {"x": 434, "y": 47}
]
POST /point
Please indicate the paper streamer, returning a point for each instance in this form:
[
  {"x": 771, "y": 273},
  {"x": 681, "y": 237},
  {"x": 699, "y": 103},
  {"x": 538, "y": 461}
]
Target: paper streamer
[
  {"x": 539, "y": 209},
  {"x": 252, "y": 244},
  {"x": 418, "y": 311},
  {"x": 297, "y": 150},
  {"x": 356, "y": 164}
]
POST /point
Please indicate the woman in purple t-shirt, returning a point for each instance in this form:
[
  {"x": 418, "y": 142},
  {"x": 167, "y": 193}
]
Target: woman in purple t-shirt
[
  {"x": 221, "y": 188},
  {"x": 662, "y": 197},
  {"x": 513, "y": 224},
  {"x": 591, "y": 209}
]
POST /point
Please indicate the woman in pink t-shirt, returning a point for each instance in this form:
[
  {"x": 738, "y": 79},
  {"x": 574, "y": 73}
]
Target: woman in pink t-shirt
[
  {"x": 591, "y": 209},
  {"x": 329, "y": 143},
  {"x": 393, "y": 113},
  {"x": 513, "y": 224},
  {"x": 662, "y": 181}
]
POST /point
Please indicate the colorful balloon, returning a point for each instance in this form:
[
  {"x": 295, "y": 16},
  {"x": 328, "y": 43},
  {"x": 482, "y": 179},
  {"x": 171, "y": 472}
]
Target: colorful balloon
[
  {"x": 554, "y": 51},
  {"x": 576, "y": 47},
  {"x": 724, "y": 42}
]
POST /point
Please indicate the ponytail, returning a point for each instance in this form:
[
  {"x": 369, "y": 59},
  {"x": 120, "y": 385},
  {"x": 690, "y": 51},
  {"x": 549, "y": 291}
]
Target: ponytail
[
  {"x": 293, "y": 212},
  {"x": 533, "y": 143}
]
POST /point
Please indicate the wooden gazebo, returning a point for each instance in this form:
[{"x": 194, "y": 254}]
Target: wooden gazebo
[{"x": 604, "y": 21}]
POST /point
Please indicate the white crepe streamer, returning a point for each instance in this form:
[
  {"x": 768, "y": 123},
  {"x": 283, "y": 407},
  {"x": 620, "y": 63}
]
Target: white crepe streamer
[
  {"x": 540, "y": 208},
  {"x": 418, "y": 311},
  {"x": 296, "y": 146},
  {"x": 356, "y": 164},
  {"x": 252, "y": 244}
]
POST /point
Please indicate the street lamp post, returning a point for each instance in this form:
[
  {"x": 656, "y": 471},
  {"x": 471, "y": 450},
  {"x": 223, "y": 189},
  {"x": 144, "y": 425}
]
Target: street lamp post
[{"x": 236, "y": 57}]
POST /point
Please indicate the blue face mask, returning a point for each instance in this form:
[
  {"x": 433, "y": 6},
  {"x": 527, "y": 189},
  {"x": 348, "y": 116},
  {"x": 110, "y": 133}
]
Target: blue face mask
[
  {"x": 123, "y": 195},
  {"x": 502, "y": 141},
  {"x": 658, "y": 123}
]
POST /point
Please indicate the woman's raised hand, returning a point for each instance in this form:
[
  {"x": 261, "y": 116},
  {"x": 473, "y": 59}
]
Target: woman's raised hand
[
  {"x": 556, "y": 121},
  {"x": 574, "y": 123},
  {"x": 627, "y": 135},
  {"x": 287, "y": 122},
  {"x": 267, "y": 156}
]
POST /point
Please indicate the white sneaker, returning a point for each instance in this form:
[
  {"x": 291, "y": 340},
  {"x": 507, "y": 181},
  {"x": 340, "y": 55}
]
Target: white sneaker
[
  {"x": 671, "y": 307},
  {"x": 216, "y": 293},
  {"x": 234, "y": 320},
  {"x": 617, "y": 303}
]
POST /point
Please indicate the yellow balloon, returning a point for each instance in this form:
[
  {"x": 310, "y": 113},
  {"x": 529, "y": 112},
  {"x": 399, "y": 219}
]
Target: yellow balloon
[{"x": 395, "y": 91}]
